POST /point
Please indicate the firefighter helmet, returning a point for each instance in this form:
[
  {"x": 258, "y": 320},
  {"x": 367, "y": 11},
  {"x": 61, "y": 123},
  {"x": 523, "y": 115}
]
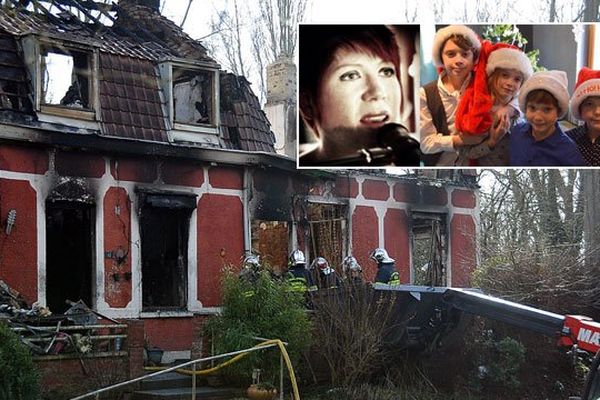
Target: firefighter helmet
[
  {"x": 380, "y": 256},
  {"x": 322, "y": 265},
  {"x": 251, "y": 262},
  {"x": 350, "y": 265},
  {"x": 296, "y": 258}
]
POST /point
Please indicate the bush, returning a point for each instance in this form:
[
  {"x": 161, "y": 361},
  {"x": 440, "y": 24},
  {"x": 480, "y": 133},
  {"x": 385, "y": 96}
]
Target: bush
[
  {"x": 271, "y": 312},
  {"x": 499, "y": 362},
  {"x": 354, "y": 327},
  {"x": 19, "y": 379}
]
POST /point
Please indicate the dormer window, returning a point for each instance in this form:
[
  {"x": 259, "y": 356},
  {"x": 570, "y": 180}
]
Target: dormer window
[
  {"x": 65, "y": 78},
  {"x": 192, "y": 96}
]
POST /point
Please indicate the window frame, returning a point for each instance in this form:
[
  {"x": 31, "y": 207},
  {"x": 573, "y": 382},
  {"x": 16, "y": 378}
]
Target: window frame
[
  {"x": 33, "y": 48},
  {"x": 201, "y": 132}
]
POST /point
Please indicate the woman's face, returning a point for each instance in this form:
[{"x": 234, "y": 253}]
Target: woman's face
[
  {"x": 508, "y": 83},
  {"x": 359, "y": 93}
]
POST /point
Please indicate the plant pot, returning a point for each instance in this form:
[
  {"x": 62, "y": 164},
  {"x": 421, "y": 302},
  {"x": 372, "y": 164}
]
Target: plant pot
[{"x": 255, "y": 393}]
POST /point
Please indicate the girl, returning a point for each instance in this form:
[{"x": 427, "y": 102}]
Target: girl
[{"x": 506, "y": 68}]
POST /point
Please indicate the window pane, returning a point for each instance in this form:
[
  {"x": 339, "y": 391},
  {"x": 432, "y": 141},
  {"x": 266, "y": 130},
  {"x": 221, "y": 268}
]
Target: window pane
[
  {"x": 193, "y": 96},
  {"x": 65, "y": 78}
]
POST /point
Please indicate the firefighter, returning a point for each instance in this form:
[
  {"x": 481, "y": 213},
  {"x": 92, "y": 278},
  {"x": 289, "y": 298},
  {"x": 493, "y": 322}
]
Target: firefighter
[
  {"x": 352, "y": 270},
  {"x": 386, "y": 267},
  {"x": 298, "y": 277},
  {"x": 249, "y": 273},
  {"x": 327, "y": 277}
]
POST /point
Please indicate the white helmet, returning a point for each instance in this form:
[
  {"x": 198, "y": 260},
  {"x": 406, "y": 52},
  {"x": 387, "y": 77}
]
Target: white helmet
[
  {"x": 350, "y": 265},
  {"x": 322, "y": 265},
  {"x": 296, "y": 258},
  {"x": 251, "y": 261},
  {"x": 380, "y": 256}
]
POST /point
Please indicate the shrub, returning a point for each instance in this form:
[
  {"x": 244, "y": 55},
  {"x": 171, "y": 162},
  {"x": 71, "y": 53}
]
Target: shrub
[
  {"x": 19, "y": 379},
  {"x": 272, "y": 311},
  {"x": 353, "y": 327}
]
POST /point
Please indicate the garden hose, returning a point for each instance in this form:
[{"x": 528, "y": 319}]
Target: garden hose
[{"x": 209, "y": 371}]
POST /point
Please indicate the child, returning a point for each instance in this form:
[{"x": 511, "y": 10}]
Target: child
[
  {"x": 585, "y": 106},
  {"x": 540, "y": 141},
  {"x": 455, "y": 50}
]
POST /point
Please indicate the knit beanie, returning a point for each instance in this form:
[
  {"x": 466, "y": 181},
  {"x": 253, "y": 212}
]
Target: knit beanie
[
  {"x": 555, "y": 82},
  {"x": 443, "y": 34},
  {"x": 473, "y": 114},
  {"x": 588, "y": 84}
]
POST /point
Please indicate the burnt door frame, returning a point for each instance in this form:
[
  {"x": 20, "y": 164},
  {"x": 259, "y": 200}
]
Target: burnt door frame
[
  {"x": 436, "y": 221},
  {"x": 70, "y": 259},
  {"x": 164, "y": 226}
]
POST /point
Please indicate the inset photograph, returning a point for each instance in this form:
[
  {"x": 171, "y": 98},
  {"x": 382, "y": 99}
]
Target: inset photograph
[
  {"x": 357, "y": 96},
  {"x": 510, "y": 95}
]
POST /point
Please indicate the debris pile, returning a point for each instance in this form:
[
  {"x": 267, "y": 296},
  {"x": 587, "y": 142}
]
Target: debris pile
[{"x": 77, "y": 332}]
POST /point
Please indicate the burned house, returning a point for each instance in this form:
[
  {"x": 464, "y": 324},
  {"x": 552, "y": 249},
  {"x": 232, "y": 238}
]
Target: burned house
[{"x": 133, "y": 169}]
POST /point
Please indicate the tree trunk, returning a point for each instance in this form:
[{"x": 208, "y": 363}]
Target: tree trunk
[{"x": 591, "y": 217}]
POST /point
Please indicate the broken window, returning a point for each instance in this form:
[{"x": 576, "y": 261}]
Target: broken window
[
  {"x": 429, "y": 248},
  {"x": 271, "y": 240},
  {"x": 164, "y": 226},
  {"x": 328, "y": 231},
  {"x": 66, "y": 77},
  {"x": 69, "y": 253},
  {"x": 193, "y": 96}
]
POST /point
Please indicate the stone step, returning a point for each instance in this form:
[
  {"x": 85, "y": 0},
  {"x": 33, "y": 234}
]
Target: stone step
[
  {"x": 202, "y": 393},
  {"x": 167, "y": 381}
]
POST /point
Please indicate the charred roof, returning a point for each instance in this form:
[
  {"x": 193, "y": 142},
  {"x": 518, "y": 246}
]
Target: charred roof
[{"x": 132, "y": 39}]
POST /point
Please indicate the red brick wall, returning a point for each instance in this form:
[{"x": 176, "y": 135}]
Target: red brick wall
[
  {"x": 346, "y": 187},
  {"x": 220, "y": 242},
  {"x": 405, "y": 193},
  {"x": 397, "y": 241},
  {"x": 117, "y": 236},
  {"x": 464, "y": 198},
  {"x": 365, "y": 237},
  {"x": 23, "y": 159},
  {"x": 18, "y": 251},
  {"x": 175, "y": 173},
  {"x": 133, "y": 169},
  {"x": 170, "y": 334},
  {"x": 464, "y": 256},
  {"x": 226, "y": 178},
  {"x": 75, "y": 377},
  {"x": 375, "y": 190},
  {"x": 79, "y": 164}
]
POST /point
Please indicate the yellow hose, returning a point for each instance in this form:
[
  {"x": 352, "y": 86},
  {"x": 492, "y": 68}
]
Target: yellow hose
[{"x": 208, "y": 371}]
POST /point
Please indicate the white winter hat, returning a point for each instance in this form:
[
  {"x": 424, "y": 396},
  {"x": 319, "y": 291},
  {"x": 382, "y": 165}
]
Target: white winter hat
[
  {"x": 555, "y": 82},
  {"x": 509, "y": 58},
  {"x": 443, "y": 34},
  {"x": 588, "y": 84}
]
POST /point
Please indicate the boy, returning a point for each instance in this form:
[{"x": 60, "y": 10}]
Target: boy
[
  {"x": 540, "y": 141},
  {"x": 585, "y": 106},
  {"x": 455, "y": 50}
]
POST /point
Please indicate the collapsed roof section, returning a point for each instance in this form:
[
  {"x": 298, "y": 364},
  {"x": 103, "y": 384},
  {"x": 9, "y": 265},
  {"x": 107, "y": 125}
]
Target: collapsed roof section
[{"x": 125, "y": 89}]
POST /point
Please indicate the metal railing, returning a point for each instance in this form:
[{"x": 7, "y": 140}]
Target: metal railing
[{"x": 193, "y": 363}]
